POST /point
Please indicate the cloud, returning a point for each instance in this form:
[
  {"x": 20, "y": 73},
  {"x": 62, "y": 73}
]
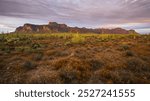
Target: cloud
[
  {"x": 88, "y": 13},
  {"x": 9, "y": 24}
]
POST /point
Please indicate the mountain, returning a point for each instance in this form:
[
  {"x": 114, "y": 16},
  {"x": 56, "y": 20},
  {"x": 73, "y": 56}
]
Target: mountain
[{"x": 53, "y": 27}]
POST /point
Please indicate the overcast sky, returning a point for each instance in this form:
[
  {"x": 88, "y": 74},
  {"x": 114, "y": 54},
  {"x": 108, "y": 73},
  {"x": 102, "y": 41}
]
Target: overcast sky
[{"x": 129, "y": 14}]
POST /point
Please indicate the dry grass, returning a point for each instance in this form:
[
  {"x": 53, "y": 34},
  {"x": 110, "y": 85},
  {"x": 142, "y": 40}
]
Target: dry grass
[{"x": 74, "y": 58}]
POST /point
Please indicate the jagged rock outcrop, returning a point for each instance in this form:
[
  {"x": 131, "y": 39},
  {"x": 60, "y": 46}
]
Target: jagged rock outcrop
[{"x": 54, "y": 27}]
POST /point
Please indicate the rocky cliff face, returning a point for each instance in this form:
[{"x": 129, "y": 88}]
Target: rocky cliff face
[{"x": 54, "y": 27}]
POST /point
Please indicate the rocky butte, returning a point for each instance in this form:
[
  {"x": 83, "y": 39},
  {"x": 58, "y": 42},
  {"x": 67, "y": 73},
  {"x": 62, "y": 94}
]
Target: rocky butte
[{"x": 53, "y": 27}]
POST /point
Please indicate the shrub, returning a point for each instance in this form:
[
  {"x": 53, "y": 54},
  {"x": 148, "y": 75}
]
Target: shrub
[
  {"x": 58, "y": 53},
  {"x": 2, "y": 38},
  {"x": 35, "y": 45},
  {"x": 116, "y": 76},
  {"x": 81, "y": 54},
  {"x": 69, "y": 76},
  {"x": 125, "y": 47},
  {"x": 137, "y": 65},
  {"x": 20, "y": 49},
  {"x": 26, "y": 49},
  {"x": 72, "y": 70},
  {"x": 67, "y": 43},
  {"x": 7, "y": 49},
  {"x": 95, "y": 64},
  {"x": 44, "y": 76},
  {"x": 38, "y": 57},
  {"x": 129, "y": 53},
  {"x": 29, "y": 65},
  {"x": 77, "y": 39}
]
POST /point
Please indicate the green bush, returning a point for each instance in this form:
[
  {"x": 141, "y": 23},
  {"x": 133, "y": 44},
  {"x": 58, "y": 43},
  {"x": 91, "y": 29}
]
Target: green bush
[
  {"x": 67, "y": 43},
  {"x": 35, "y": 45},
  {"x": 77, "y": 39}
]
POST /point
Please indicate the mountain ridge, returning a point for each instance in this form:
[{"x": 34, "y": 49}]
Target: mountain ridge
[{"x": 54, "y": 27}]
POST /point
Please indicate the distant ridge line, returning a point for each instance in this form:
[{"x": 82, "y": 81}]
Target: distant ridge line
[{"x": 54, "y": 27}]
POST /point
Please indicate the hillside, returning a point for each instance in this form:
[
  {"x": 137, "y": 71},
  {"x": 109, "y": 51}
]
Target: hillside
[{"x": 54, "y": 27}]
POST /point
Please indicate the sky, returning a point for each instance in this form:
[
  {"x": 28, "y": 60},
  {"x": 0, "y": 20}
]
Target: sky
[{"x": 128, "y": 14}]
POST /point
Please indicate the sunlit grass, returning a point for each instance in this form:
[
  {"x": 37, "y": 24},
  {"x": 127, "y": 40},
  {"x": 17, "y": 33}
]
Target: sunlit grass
[{"x": 75, "y": 37}]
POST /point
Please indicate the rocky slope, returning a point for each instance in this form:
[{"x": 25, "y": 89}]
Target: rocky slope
[{"x": 54, "y": 27}]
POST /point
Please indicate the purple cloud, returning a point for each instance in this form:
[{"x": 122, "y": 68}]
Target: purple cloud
[{"x": 88, "y": 13}]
